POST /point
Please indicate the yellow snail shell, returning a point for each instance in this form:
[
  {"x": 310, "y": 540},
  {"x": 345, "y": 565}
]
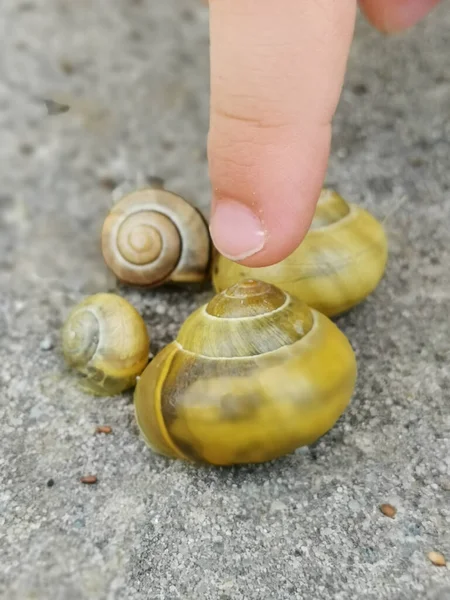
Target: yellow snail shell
[
  {"x": 106, "y": 341},
  {"x": 251, "y": 376},
  {"x": 152, "y": 236},
  {"x": 339, "y": 263}
]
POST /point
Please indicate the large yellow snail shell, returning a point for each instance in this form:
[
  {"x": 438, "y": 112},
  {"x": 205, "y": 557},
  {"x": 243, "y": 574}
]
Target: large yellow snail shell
[
  {"x": 339, "y": 263},
  {"x": 106, "y": 341},
  {"x": 251, "y": 376},
  {"x": 152, "y": 236}
]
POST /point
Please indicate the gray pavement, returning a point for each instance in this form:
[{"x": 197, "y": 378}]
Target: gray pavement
[{"x": 308, "y": 526}]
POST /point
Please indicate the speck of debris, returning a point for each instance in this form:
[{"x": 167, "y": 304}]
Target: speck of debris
[
  {"x": 298, "y": 326},
  {"x": 160, "y": 309},
  {"x": 26, "y": 149},
  {"x": 109, "y": 183},
  {"x": 19, "y": 306},
  {"x": 66, "y": 66},
  {"x": 437, "y": 559},
  {"x": 155, "y": 181},
  {"x": 89, "y": 479},
  {"x": 55, "y": 108},
  {"x": 388, "y": 510},
  {"x": 50, "y": 483},
  {"x": 103, "y": 429},
  {"x": 277, "y": 506},
  {"x": 360, "y": 89},
  {"x": 46, "y": 344},
  {"x": 445, "y": 484}
]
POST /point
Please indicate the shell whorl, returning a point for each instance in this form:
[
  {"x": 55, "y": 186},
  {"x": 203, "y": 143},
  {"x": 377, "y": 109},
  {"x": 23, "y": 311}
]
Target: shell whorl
[
  {"x": 81, "y": 336},
  {"x": 146, "y": 246},
  {"x": 247, "y": 298},
  {"x": 153, "y": 235},
  {"x": 106, "y": 340},
  {"x": 248, "y": 319},
  {"x": 140, "y": 243}
]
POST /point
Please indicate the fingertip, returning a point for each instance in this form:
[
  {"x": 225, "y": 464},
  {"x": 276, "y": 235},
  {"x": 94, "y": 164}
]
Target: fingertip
[
  {"x": 395, "y": 16},
  {"x": 261, "y": 219},
  {"x": 276, "y": 75}
]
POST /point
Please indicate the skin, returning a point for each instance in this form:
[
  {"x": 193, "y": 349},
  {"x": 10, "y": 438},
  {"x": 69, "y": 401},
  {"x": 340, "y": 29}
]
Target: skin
[{"x": 277, "y": 70}]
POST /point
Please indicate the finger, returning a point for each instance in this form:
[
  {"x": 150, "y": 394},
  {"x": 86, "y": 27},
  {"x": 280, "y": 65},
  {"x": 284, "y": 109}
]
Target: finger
[
  {"x": 277, "y": 68},
  {"x": 392, "y": 16}
]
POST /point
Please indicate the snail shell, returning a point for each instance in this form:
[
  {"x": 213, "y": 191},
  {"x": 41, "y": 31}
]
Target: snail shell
[
  {"x": 106, "y": 341},
  {"x": 251, "y": 376},
  {"x": 339, "y": 263},
  {"x": 152, "y": 236}
]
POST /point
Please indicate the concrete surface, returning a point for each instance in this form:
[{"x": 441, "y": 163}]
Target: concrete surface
[{"x": 308, "y": 526}]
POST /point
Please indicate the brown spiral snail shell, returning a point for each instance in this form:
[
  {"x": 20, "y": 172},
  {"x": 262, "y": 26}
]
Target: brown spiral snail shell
[{"x": 153, "y": 236}]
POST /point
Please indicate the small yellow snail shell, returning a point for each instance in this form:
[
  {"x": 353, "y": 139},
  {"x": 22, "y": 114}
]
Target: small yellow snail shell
[
  {"x": 152, "y": 236},
  {"x": 252, "y": 375},
  {"x": 106, "y": 341},
  {"x": 339, "y": 263}
]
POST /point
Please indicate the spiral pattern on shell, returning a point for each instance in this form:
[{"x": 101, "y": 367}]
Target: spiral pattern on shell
[
  {"x": 106, "y": 341},
  {"x": 152, "y": 236},
  {"x": 251, "y": 376}
]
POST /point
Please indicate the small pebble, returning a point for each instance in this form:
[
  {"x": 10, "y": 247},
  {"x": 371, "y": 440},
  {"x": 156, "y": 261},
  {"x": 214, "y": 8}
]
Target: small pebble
[
  {"x": 89, "y": 479},
  {"x": 103, "y": 429},
  {"x": 277, "y": 506},
  {"x": 26, "y": 149},
  {"x": 437, "y": 559},
  {"x": 46, "y": 344},
  {"x": 109, "y": 183},
  {"x": 19, "y": 305},
  {"x": 388, "y": 510},
  {"x": 55, "y": 108},
  {"x": 50, "y": 483},
  {"x": 360, "y": 89},
  {"x": 66, "y": 66},
  {"x": 354, "y": 506}
]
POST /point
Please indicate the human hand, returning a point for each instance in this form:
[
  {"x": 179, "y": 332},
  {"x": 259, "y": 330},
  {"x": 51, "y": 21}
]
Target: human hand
[{"x": 277, "y": 69}]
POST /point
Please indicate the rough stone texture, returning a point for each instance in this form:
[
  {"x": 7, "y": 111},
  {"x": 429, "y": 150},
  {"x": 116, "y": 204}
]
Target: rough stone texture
[{"x": 308, "y": 526}]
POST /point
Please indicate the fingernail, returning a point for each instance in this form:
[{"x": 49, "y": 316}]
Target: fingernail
[{"x": 236, "y": 231}]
